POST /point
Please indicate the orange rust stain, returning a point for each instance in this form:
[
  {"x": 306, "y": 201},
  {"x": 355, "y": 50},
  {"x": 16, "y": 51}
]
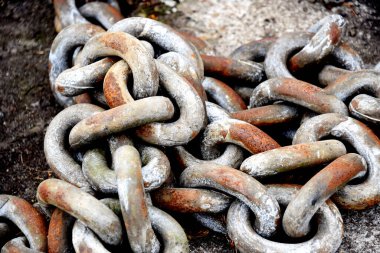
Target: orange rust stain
[
  {"x": 227, "y": 177},
  {"x": 224, "y": 133},
  {"x": 234, "y": 98},
  {"x": 146, "y": 131},
  {"x": 179, "y": 200},
  {"x": 194, "y": 134},
  {"x": 262, "y": 116},
  {"x": 60, "y": 88},
  {"x": 252, "y": 138},
  {"x": 113, "y": 41},
  {"x": 112, "y": 91},
  {"x": 341, "y": 171},
  {"x": 57, "y": 237},
  {"x": 217, "y": 65},
  {"x": 310, "y": 94},
  {"x": 334, "y": 33},
  {"x": 297, "y": 88},
  {"x": 35, "y": 220},
  {"x": 294, "y": 64}
]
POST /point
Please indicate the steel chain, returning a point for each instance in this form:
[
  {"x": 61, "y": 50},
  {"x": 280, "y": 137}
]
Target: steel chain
[{"x": 150, "y": 123}]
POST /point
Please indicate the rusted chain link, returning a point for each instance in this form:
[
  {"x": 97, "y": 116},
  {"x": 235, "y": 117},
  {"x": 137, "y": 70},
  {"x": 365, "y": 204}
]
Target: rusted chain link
[{"x": 169, "y": 128}]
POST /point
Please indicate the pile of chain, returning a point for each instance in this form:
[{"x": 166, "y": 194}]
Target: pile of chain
[{"x": 139, "y": 138}]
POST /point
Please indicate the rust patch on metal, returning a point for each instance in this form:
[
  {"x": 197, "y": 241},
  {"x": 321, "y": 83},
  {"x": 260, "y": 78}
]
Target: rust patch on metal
[
  {"x": 112, "y": 91},
  {"x": 334, "y": 33},
  {"x": 255, "y": 140}
]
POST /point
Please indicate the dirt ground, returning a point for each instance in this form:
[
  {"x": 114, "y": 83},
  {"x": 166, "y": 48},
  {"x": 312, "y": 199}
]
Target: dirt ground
[{"x": 27, "y": 105}]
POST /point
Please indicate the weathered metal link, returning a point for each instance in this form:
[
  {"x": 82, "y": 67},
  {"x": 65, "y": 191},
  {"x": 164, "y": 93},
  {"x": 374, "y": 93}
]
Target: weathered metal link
[
  {"x": 317, "y": 127},
  {"x": 366, "y": 108},
  {"x": 244, "y": 92},
  {"x": 119, "y": 119},
  {"x": 75, "y": 81},
  {"x": 327, "y": 239},
  {"x": 328, "y": 32},
  {"x": 215, "y": 112},
  {"x": 329, "y": 74},
  {"x": 192, "y": 112},
  {"x": 59, "y": 233},
  {"x": 132, "y": 200},
  {"x": 292, "y": 157},
  {"x": 248, "y": 72},
  {"x": 161, "y": 35},
  {"x": 224, "y": 95},
  {"x": 82, "y": 206},
  {"x": 116, "y": 79},
  {"x": 97, "y": 171},
  {"x": 18, "y": 245},
  {"x": 60, "y": 53},
  {"x": 103, "y": 13},
  {"x": 297, "y": 216},
  {"x": 212, "y": 222},
  {"x": 115, "y": 85},
  {"x": 232, "y": 155},
  {"x": 171, "y": 233},
  {"x": 347, "y": 85},
  {"x": 347, "y": 57},
  {"x": 167, "y": 134},
  {"x": 343, "y": 84},
  {"x": 297, "y": 92},
  {"x": 236, "y": 132},
  {"x": 190, "y": 200},
  {"x": 184, "y": 67},
  {"x": 57, "y": 156},
  {"x": 84, "y": 240},
  {"x": 156, "y": 170},
  {"x": 268, "y": 115},
  {"x": 275, "y": 63},
  {"x": 253, "y": 51},
  {"x": 67, "y": 14},
  {"x": 27, "y": 219},
  {"x": 366, "y": 143},
  {"x": 240, "y": 185},
  {"x": 129, "y": 49}
]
